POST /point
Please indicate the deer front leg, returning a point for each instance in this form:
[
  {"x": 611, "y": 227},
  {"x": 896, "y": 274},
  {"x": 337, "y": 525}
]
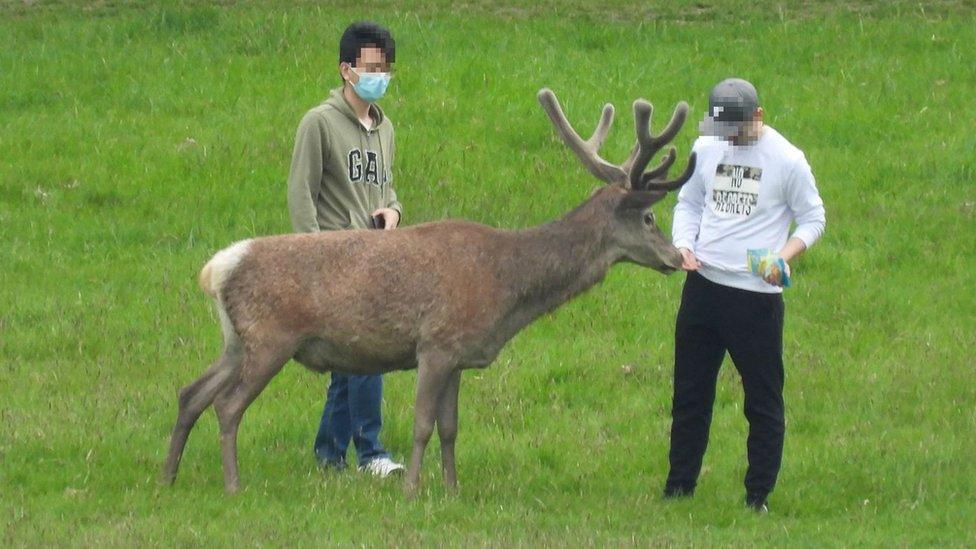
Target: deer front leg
[
  {"x": 447, "y": 423},
  {"x": 431, "y": 378}
]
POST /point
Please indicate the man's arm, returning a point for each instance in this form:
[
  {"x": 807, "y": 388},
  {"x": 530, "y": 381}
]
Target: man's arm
[
  {"x": 804, "y": 201},
  {"x": 394, "y": 204},
  {"x": 305, "y": 176},
  {"x": 390, "y": 202},
  {"x": 793, "y": 247},
  {"x": 687, "y": 219}
]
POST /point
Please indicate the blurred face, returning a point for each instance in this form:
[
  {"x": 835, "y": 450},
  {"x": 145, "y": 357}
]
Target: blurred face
[
  {"x": 748, "y": 131},
  {"x": 737, "y": 133},
  {"x": 370, "y": 60}
]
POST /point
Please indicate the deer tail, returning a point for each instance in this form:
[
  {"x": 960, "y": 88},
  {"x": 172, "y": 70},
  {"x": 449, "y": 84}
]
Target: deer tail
[{"x": 215, "y": 273}]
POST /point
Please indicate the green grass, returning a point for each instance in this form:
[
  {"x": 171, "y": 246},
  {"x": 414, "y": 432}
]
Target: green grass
[{"x": 136, "y": 141}]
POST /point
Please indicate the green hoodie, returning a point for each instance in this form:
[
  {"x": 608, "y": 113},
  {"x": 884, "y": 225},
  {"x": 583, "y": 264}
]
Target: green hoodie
[{"x": 340, "y": 171}]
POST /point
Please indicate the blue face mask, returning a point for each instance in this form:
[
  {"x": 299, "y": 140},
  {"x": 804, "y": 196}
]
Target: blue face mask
[{"x": 371, "y": 85}]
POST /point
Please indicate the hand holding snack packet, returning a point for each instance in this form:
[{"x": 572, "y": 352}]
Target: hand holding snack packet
[{"x": 769, "y": 266}]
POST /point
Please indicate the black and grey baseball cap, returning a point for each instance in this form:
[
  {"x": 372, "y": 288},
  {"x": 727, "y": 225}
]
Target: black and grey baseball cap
[{"x": 730, "y": 103}]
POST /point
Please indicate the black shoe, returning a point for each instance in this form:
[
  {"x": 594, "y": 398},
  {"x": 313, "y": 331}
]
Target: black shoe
[
  {"x": 757, "y": 504},
  {"x": 678, "y": 492}
]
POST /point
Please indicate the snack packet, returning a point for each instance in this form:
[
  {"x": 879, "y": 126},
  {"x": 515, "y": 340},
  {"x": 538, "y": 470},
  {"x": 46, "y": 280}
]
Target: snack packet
[{"x": 762, "y": 262}]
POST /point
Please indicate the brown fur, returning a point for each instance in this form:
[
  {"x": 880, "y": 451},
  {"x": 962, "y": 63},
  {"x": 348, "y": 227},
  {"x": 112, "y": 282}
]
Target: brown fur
[{"x": 440, "y": 297}]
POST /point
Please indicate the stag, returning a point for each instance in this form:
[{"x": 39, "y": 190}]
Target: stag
[{"x": 460, "y": 291}]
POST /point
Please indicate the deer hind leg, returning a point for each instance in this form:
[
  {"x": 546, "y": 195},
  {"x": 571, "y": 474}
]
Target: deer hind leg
[
  {"x": 194, "y": 399},
  {"x": 433, "y": 374},
  {"x": 447, "y": 423},
  {"x": 260, "y": 364}
]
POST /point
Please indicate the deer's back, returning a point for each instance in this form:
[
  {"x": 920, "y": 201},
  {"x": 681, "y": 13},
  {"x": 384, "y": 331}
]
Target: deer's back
[{"x": 374, "y": 297}]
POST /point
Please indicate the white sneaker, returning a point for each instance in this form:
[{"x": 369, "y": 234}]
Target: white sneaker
[{"x": 382, "y": 467}]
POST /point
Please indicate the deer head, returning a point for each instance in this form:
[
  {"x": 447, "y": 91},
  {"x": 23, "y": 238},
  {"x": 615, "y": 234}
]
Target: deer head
[{"x": 632, "y": 228}]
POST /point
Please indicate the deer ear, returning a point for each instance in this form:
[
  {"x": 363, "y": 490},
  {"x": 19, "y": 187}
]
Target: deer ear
[{"x": 640, "y": 200}]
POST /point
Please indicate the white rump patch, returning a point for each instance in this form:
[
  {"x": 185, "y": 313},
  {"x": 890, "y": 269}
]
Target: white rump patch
[
  {"x": 221, "y": 266},
  {"x": 224, "y": 262}
]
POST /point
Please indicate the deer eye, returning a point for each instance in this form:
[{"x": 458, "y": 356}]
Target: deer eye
[{"x": 648, "y": 218}]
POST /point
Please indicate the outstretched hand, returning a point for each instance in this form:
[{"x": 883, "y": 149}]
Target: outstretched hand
[{"x": 688, "y": 260}]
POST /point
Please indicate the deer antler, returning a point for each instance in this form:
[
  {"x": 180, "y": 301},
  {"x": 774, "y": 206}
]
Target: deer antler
[
  {"x": 648, "y": 145},
  {"x": 630, "y": 174},
  {"x": 587, "y": 151}
]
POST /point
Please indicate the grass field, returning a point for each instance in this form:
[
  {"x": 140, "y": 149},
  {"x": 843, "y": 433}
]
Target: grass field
[{"x": 136, "y": 141}]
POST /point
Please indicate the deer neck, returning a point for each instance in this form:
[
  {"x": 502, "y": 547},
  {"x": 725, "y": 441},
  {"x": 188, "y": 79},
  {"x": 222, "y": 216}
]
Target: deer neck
[{"x": 561, "y": 259}]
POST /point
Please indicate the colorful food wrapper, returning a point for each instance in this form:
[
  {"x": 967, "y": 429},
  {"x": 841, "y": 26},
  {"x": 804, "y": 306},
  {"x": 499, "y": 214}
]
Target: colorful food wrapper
[{"x": 763, "y": 262}]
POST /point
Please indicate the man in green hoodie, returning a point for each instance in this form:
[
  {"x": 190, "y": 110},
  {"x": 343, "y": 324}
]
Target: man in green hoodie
[{"x": 341, "y": 178}]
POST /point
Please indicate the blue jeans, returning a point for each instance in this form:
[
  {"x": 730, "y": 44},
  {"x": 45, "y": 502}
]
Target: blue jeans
[{"x": 352, "y": 411}]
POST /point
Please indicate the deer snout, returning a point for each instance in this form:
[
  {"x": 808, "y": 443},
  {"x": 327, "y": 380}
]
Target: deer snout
[{"x": 673, "y": 259}]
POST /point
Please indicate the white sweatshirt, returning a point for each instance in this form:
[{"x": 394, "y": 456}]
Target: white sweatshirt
[{"x": 744, "y": 197}]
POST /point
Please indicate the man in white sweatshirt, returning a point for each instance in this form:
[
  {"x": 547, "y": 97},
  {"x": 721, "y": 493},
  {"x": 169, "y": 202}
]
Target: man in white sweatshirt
[{"x": 749, "y": 185}]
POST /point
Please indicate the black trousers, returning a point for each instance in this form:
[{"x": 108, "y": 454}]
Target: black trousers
[{"x": 714, "y": 319}]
